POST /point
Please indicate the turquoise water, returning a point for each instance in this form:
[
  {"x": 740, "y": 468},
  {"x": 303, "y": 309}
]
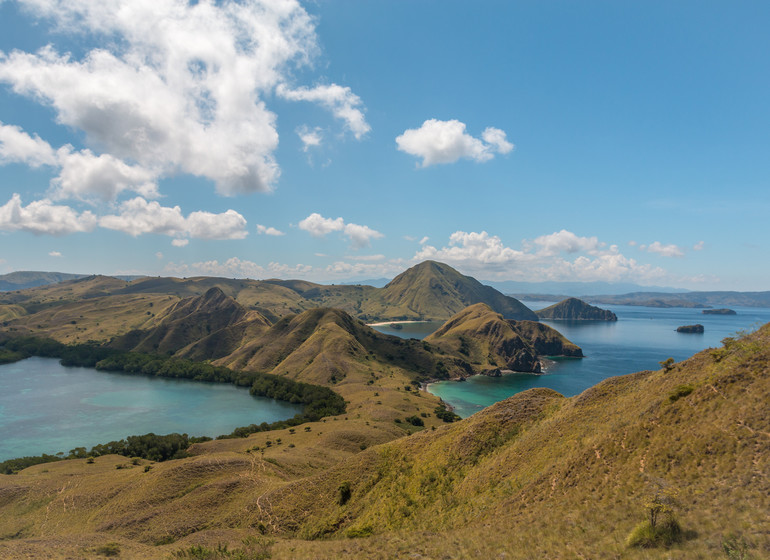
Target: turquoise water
[
  {"x": 640, "y": 339},
  {"x": 47, "y": 408}
]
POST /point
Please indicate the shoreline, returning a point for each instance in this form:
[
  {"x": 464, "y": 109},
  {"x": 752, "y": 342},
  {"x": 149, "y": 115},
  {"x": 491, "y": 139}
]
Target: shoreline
[{"x": 384, "y": 323}]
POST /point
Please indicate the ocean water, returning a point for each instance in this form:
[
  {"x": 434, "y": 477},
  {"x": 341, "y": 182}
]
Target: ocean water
[
  {"x": 47, "y": 408},
  {"x": 640, "y": 339}
]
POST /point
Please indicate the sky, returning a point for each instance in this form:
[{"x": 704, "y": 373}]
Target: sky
[{"x": 339, "y": 140}]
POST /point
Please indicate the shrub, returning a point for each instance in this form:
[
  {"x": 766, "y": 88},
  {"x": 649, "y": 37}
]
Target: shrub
[
  {"x": 665, "y": 534},
  {"x": 344, "y": 493},
  {"x": 680, "y": 391},
  {"x": 109, "y": 549}
]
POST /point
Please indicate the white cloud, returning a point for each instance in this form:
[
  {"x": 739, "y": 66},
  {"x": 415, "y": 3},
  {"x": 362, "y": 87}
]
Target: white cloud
[
  {"x": 310, "y": 138},
  {"x": 361, "y": 236},
  {"x": 180, "y": 242},
  {"x": 566, "y": 241},
  {"x": 82, "y": 175},
  {"x": 479, "y": 248},
  {"x": 663, "y": 250},
  {"x": 486, "y": 256},
  {"x": 262, "y": 230},
  {"x": 159, "y": 256},
  {"x": 446, "y": 142},
  {"x": 54, "y": 254},
  {"x": 44, "y": 217},
  {"x": 231, "y": 268},
  {"x": 496, "y": 140},
  {"x": 137, "y": 216},
  {"x": 318, "y": 226},
  {"x": 238, "y": 268},
  {"x": 177, "y": 87},
  {"x": 341, "y": 101},
  {"x": 699, "y": 246},
  {"x": 16, "y": 146}
]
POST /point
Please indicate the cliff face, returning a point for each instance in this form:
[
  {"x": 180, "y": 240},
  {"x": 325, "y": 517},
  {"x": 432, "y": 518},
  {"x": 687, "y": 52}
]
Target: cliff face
[
  {"x": 491, "y": 343},
  {"x": 573, "y": 309}
]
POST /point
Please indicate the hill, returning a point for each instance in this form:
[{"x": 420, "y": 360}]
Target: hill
[
  {"x": 22, "y": 280},
  {"x": 573, "y": 309},
  {"x": 432, "y": 290},
  {"x": 426, "y": 291},
  {"x": 536, "y": 475},
  {"x": 492, "y": 344}
]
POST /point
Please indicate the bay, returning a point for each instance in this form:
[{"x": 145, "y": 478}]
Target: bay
[
  {"x": 640, "y": 339},
  {"x": 48, "y": 408}
]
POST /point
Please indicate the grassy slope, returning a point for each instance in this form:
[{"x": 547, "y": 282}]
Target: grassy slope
[
  {"x": 537, "y": 475},
  {"x": 491, "y": 343},
  {"x": 428, "y": 290}
]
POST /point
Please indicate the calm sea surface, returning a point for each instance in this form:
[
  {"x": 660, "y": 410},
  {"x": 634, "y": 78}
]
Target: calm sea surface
[
  {"x": 641, "y": 338},
  {"x": 47, "y": 408}
]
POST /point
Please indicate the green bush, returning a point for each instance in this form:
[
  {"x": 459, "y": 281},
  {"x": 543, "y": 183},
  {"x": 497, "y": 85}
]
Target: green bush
[
  {"x": 680, "y": 391},
  {"x": 664, "y": 534}
]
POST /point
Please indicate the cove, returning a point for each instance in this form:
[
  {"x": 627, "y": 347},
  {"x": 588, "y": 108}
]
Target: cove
[
  {"x": 639, "y": 340},
  {"x": 48, "y": 408}
]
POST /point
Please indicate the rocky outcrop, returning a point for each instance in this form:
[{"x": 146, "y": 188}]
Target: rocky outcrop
[
  {"x": 573, "y": 309},
  {"x": 719, "y": 312}
]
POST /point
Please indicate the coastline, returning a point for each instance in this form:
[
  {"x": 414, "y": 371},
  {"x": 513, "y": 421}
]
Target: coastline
[{"x": 384, "y": 323}]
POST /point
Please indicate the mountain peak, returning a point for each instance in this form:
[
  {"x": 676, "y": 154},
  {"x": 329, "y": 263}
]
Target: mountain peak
[{"x": 436, "y": 290}]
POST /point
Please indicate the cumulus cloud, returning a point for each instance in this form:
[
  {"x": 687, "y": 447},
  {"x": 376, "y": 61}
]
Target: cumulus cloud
[
  {"x": 699, "y": 246},
  {"x": 43, "y": 217},
  {"x": 561, "y": 256},
  {"x": 180, "y": 242},
  {"x": 83, "y": 175},
  {"x": 566, "y": 241},
  {"x": 262, "y": 230},
  {"x": 179, "y": 86},
  {"x": 238, "y": 268},
  {"x": 16, "y": 146},
  {"x": 341, "y": 101},
  {"x": 318, "y": 226},
  {"x": 138, "y": 216},
  {"x": 663, "y": 250},
  {"x": 54, "y": 254},
  {"x": 447, "y": 141}
]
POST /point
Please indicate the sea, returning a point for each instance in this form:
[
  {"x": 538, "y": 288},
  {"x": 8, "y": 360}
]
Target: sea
[
  {"x": 640, "y": 339},
  {"x": 48, "y": 408}
]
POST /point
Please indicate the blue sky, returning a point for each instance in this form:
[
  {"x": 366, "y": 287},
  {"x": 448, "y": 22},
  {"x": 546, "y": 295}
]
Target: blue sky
[{"x": 336, "y": 140}]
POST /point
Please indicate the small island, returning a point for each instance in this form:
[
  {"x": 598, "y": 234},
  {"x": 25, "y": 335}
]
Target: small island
[
  {"x": 694, "y": 329},
  {"x": 574, "y": 309},
  {"x": 718, "y": 312}
]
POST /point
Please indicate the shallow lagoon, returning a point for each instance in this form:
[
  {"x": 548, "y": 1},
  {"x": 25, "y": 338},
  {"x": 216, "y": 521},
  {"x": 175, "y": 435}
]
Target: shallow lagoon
[
  {"x": 47, "y": 408},
  {"x": 639, "y": 340}
]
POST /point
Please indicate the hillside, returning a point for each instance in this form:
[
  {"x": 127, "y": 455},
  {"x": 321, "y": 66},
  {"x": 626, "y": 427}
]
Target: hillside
[
  {"x": 191, "y": 322},
  {"x": 426, "y": 291},
  {"x": 30, "y": 279},
  {"x": 536, "y": 475},
  {"x": 492, "y": 344},
  {"x": 432, "y": 290},
  {"x": 573, "y": 309}
]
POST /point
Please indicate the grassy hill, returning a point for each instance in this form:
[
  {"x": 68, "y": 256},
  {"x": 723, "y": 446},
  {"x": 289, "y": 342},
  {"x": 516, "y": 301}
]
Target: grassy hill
[
  {"x": 537, "y": 475},
  {"x": 491, "y": 343},
  {"x": 427, "y": 291}
]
